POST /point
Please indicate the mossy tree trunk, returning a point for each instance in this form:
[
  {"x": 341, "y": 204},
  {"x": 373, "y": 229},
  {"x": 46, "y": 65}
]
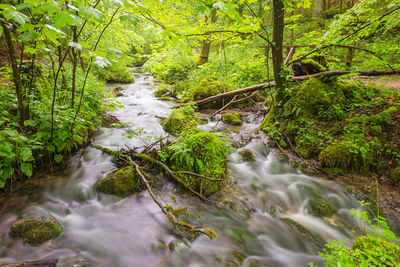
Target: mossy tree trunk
[
  {"x": 206, "y": 44},
  {"x": 277, "y": 48}
]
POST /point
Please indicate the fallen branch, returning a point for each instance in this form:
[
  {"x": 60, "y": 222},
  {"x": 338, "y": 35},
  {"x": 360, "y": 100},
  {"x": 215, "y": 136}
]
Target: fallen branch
[
  {"x": 177, "y": 224},
  {"x": 147, "y": 158},
  {"x": 40, "y": 263},
  {"x": 233, "y": 101}
]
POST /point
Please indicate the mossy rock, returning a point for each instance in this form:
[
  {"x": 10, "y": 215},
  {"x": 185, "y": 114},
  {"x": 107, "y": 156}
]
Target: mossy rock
[
  {"x": 321, "y": 208},
  {"x": 314, "y": 96},
  {"x": 232, "y": 119},
  {"x": 123, "y": 182},
  {"x": 371, "y": 250},
  {"x": 179, "y": 120},
  {"x": 345, "y": 155},
  {"x": 353, "y": 91},
  {"x": 395, "y": 177},
  {"x": 162, "y": 91},
  {"x": 201, "y": 118},
  {"x": 108, "y": 120},
  {"x": 165, "y": 98},
  {"x": 35, "y": 232},
  {"x": 203, "y": 153},
  {"x": 314, "y": 239},
  {"x": 247, "y": 155}
]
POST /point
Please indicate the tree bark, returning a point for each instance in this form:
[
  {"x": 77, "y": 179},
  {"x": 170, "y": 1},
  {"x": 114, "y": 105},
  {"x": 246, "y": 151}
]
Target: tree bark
[
  {"x": 206, "y": 44},
  {"x": 277, "y": 49},
  {"x": 16, "y": 73}
]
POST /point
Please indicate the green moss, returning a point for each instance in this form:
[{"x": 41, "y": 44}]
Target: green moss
[
  {"x": 345, "y": 155},
  {"x": 314, "y": 96},
  {"x": 321, "y": 208},
  {"x": 35, "y": 232},
  {"x": 123, "y": 182},
  {"x": 162, "y": 91},
  {"x": 353, "y": 91},
  {"x": 165, "y": 98},
  {"x": 179, "y": 120},
  {"x": 315, "y": 239},
  {"x": 380, "y": 167},
  {"x": 337, "y": 171},
  {"x": 395, "y": 176},
  {"x": 232, "y": 119},
  {"x": 202, "y": 153},
  {"x": 209, "y": 87},
  {"x": 247, "y": 155},
  {"x": 371, "y": 250},
  {"x": 375, "y": 130}
]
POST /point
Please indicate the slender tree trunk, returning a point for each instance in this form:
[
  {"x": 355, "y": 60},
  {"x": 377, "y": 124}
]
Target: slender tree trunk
[
  {"x": 74, "y": 65},
  {"x": 277, "y": 49},
  {"x": 206, "y": 46},
  {"x": 16, "y": 73}
]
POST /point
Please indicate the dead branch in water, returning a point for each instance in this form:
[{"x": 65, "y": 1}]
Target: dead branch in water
[
  {"x": 191, "y": 228},
  {"x": 40, "y": 263}
]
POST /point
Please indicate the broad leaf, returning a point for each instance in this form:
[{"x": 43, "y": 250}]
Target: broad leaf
[{"x": 27, "y": 169}]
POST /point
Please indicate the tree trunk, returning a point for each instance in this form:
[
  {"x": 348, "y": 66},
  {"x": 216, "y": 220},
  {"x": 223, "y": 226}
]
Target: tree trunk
[
  {"x": 16, "y": 73},
  {"x": 277, "y": 49},
  {"x": 206, "y": 44}
]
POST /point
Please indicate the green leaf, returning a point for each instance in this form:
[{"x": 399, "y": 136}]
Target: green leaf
[
  {"x": 58, "y": 158},
  {"x": 114, "y": 3},
  {"x": 129, "y": 18},
  {"x": 51, "y": 148},
  {"x": 26, "y": 154},
  {"x": 31, "y": 123},
  {"x": 27, "y": 169},
  {"x": 75, "y": 45},
  {"x": 11, "y": 13},
  {"x": 88, "y": 12},
  {"x": 29, "y": 36}
]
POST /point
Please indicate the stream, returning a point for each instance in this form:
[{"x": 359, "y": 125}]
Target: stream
[{"x": 106, "y": 230}]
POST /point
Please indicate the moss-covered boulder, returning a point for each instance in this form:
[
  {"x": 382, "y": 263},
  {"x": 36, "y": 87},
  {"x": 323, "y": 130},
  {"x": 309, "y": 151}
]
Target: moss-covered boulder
[
  {"x": 34, "y": 231},
  {"x": 203, "y": 153},
  {"x": 353, "y": 91},
  {"x": 179, "y": 120},
  {"x": 247, "y": 155},
  {"x": 371, "y": 250},
  {"x": 345, "y": 155},
  {"x": 232, "y": 119},
  {"x": 314, "y": 97},
  {"x": 123, "y": 182},
  {"x": 395, "y": 176}
]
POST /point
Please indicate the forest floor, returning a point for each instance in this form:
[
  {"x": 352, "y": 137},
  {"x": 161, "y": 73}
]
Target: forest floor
[{"x": 392, "y": 81}]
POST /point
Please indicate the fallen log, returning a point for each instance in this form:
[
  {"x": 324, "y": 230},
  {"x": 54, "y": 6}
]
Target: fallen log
[
  {"x": 39, "y": 263},
  {"x": 343, "y": 72},
  {"x": 293, "y": 79},
  {"x": 235, "y": 92}
]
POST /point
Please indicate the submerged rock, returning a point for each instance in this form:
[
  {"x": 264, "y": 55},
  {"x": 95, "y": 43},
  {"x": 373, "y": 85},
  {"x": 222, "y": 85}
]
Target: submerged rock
[
  {"x": 123, "y": 182},
  {"x": 232, "y": 119},
  {"x": 35, "y": 232}
]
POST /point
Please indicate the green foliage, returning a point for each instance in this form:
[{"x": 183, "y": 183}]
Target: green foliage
[
  {"x": 202, "y": 153},
  {"x": 395, "y": 176},
  {"x": 115, "y": 73},
  {"x": 371, "y": 249}
]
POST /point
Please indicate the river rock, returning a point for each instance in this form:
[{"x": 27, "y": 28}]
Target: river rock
[
  {"x": 35, "y": 232},
  {"x": 247, "y": 155},
  {"x": 123, "y": 182}
]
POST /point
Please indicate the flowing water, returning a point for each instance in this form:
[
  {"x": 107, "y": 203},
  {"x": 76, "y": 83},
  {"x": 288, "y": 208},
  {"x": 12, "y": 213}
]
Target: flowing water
[{"x": 108, "y": 231}]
